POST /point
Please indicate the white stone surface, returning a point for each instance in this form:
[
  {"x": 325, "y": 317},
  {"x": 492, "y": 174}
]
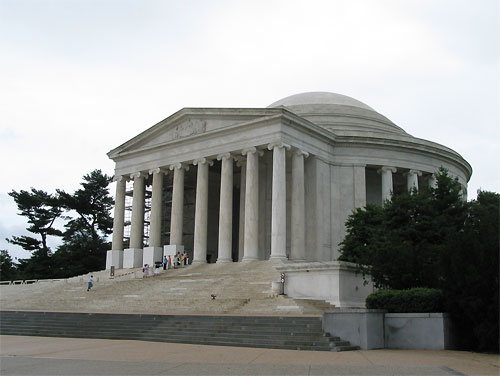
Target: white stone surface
[
  {"x": 137, "y": 226},
  {"x": 251, "y": 240},
  {"x": 278, "y": 209},
  {"x": 152, "y": 255},
  {"x": 132, "y": 258},
  {"x": 177, "y": 213},
  {"x": 226, "y": 209},
  {"x": 114, "y": 258},
  {"x": 119, "y": 216},
  {"x": 156, "y": 209},
  {"x": 335, "y": 282},
  {"x": 172, "y": 249},
  {"x": 201, "y": 212}
]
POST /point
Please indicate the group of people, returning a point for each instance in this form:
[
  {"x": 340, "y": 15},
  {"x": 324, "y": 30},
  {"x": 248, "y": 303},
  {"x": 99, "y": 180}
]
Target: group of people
[{"x": 179, "y": 260}]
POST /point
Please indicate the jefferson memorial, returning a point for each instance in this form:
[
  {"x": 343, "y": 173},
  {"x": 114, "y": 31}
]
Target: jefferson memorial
[{"x": 244, "y": 184}]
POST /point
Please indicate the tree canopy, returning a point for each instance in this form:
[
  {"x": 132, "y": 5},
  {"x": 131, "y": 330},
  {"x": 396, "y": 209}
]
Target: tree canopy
[
  {"x": 87, "y": 218},
  {"x": 433, "y": 238}
]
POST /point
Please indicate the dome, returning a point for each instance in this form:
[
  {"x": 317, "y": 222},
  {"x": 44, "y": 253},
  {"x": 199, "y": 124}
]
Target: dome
[
  {"x": 320, "y": 97},
  {"x": 339, "y": 114}
]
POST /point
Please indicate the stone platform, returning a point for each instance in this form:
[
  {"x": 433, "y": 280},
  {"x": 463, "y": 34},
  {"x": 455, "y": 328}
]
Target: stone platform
[{"x": 240, "y": 288}]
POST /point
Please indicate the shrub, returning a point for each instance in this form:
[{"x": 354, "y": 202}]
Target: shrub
[{"x": 405, "y": 301}]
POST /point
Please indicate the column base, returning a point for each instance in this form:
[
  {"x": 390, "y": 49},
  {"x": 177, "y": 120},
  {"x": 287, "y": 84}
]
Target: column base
[
  {"x": 172, "y": 249},
  {"x": 152, "y": 255},
  {"x": 197, "y": 262},
  {"x": 245, "y": 259},
  {"x": 114, "y": 258},
  {"x": 278, "y": 257},
  {"x": 132, "y": 258},
  {"x": 224, "y": 261}
]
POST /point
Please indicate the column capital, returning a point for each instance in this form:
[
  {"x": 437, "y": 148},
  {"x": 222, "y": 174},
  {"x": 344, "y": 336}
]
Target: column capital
[
  {"x": 138, "y": 174},
  {"x": 119, "y": 178},
  {"x": 157, "y": 170},
  {"x": 178, "y": 166},
  {"x": 410, "y": 172},
  {"x": 224, "y": 156},
  {"x": 252, "y": 150},
  {"x": 200, "y": 161},
  {"x": 299, "y": 152},
  {"x": 278, "y": 144},
  {"x": 240, "y": 161},
  {"x": 387, "y": 168}
]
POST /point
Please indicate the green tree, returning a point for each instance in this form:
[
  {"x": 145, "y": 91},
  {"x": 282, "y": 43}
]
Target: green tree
[
  {"x": 399, "y": 245},
  {"x": 433, "y": 238},
  {"x": 41, "y": 210},
  {"x": 8, "y": 270},
  {"x": 469, "y": 269},
  {"x": 85, "y": 238}
]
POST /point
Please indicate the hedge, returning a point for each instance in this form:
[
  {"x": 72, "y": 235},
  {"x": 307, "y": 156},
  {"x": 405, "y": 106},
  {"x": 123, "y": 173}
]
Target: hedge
[{"x": 407, "y": 301}]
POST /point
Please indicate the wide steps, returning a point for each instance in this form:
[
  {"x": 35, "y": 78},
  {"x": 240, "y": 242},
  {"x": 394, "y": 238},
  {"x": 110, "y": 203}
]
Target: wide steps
[{"x": 280, "y": 332}]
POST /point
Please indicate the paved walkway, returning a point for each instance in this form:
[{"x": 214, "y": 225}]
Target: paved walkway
[{"x": 68, "y": 356}]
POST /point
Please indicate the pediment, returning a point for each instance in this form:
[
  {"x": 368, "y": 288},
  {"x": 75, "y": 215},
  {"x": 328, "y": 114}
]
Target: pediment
[{"x": 185, "y": 124}]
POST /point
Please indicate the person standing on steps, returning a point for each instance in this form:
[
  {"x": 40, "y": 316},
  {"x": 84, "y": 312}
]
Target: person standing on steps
[
  {"x": 169, "y": 264},
  {"x": 91, "y": 283},
  {"x": 165, "y": 262}
]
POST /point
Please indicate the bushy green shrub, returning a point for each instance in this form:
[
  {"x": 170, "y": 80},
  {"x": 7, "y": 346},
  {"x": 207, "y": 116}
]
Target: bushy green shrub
[{"x": 406, "y": 301}]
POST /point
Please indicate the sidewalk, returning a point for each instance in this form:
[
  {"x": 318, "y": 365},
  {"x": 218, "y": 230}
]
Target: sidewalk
[{"x": 68, "y": 356}]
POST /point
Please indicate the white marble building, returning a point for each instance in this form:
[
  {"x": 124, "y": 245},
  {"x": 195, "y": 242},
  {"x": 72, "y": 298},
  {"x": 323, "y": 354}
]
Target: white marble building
[{"x": 240, "y": 184}]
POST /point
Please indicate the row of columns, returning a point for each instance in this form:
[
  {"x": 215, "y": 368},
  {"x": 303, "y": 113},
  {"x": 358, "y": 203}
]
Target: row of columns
[
  {"x": 411, "y": 179},
  {"x": 249, "y": 215}
]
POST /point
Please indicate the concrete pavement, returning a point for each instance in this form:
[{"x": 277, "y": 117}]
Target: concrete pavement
[{"x": 68, "y": 356}]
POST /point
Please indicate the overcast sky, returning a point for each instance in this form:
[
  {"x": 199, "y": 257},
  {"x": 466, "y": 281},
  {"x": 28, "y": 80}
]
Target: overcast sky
[{"x": 80, "y": 77}]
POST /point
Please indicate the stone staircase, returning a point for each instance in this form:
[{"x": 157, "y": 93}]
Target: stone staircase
[
  {"x": 276, "y": 332},
  {"x": 240, "y": 288}
]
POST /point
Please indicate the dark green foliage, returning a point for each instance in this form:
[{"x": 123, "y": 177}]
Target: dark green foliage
[
  {"x": 407, "y": 301},
  {"x": 84, "y": 240},
  {"x": 41, "y": 210},
  {"x": 8, "y": 270},
  {"x": 433, "y": 238},
  {"x": 470, "y": 269}
]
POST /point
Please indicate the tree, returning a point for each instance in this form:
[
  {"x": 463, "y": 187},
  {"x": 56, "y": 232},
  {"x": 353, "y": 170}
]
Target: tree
[
  {"x": 399, "y": 245},
  {"x": 41, "y": 209},
  {"x": 8, "y": 270},
  {"x": 85, "y": 238},
  {"x": 433, "y": 238},
  {"x": 470, "y": 273}
]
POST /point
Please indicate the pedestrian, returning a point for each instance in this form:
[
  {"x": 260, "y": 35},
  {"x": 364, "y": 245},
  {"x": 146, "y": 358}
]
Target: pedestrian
[
  {"x": 183, "y": 259},
  {"x": 175, "y": 261},
  {"x": 169, "y": 264},
  {"x": 145, "y": 271},
  {"x": 165, "y": 262},
  {"x": 91, "y": 282}
]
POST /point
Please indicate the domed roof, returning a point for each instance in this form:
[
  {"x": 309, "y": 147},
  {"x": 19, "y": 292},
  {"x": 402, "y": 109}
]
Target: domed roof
[
  {"x": 320, "y": 97},
  {"x": 339, "y": 114}
]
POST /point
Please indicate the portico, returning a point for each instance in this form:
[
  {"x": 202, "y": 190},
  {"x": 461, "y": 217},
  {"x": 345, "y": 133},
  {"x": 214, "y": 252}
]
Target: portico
[{"x": 228, "y": 185}]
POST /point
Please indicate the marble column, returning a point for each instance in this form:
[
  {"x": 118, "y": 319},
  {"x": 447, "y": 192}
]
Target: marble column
[
  {"x": 119, "y": 216},
  {"x": 432, "y": 181},
  {"x": 251, "y": 237},
  {"x": 412, "y": 179},
  {"x": 298, "y": 223},
  {"x": 156, "y": 208},
  {"x": 137, "y": 226},
  {"x": 243, "y": 179},
  {"x": 154, "y": 251},
  {"x": 278, "y": 206},
  {"x": 177, "y": 213},
  {"x": 114, "y": 257},
  {"x": 226, "y": 209},
  {"x": 387, "y": 186},
  {"x": 133, "y": 256},
  {"x": 201, "y": 211}
]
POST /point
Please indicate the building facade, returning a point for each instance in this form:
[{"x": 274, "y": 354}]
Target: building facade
[{"x": 242, "y": 184}]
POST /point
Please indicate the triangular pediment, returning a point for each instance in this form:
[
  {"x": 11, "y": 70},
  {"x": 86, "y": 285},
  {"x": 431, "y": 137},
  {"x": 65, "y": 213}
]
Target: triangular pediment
[{"x": 188, "y": 123}]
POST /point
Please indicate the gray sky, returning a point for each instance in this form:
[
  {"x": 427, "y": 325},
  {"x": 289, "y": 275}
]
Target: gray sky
[{"x": 80, "y": 77}]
